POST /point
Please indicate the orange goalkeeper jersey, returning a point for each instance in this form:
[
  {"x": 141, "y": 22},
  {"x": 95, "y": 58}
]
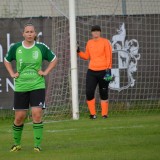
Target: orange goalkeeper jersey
[{"x": 99, "y": 52}]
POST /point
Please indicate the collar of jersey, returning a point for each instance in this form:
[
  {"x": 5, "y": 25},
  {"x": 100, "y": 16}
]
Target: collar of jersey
[{"x": 28, "y": 47}]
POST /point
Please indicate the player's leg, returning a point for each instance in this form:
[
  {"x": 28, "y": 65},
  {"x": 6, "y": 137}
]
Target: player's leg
[
  {"x": 103, "y": 90},
  {"x": 37, "y": 102},
  {"x": 21, "y": 104},
  {"x": 91, "y": 83},
  {"x": 37, "y": 127},
  {"x": 104, "y": 107}
]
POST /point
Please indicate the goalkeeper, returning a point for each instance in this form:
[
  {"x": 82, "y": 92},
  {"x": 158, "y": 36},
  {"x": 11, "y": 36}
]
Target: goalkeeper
[
  {"x": 99, "y": 52},
  {"x": 29, "y": 83}
]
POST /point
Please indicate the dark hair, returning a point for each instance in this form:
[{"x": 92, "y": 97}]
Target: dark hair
[{"x": 96, "y": 28}]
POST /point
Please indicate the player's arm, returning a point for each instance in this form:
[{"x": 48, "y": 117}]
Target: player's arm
[
  {"x": 109, "y": 55},
  {"x": 10, "y": 56},
  {"x": 108, "y": 77},
  {"x": 51, "y": 65},
  {"x": 9, "y": 68},
  {"x": 110, "y": 47},
  {"x": 50, "y": 57},
  {"x": 83, "y": 55}
]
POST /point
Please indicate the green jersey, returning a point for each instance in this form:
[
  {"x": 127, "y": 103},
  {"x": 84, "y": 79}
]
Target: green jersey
[{"x": 28, "y": 63}]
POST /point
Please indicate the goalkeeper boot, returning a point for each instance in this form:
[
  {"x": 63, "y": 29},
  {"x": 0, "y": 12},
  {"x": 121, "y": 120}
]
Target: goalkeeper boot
[
  {"x": 37, "y": 149},
  {"x": 15, "y": 148},
  {"x": 104, "y": 116},
  {"x": 93, "y": 116}
]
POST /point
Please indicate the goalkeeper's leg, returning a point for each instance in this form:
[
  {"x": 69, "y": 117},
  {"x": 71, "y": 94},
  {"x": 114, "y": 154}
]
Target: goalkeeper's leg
[
  {"x": 91, "y": 83},
  {"x": 104, "y": 107},
  {"x": 103, "y": 89}
]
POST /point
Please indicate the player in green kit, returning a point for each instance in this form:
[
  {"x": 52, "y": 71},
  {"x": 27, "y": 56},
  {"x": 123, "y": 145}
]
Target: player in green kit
[{"x": 29, "y": 83}]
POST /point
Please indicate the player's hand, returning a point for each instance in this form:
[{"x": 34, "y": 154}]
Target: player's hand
[
  {"x": 42, "y": 73},
  {"x": 15, "y": 75},
  {"x": 78, "y": 48},
  {"x": 108, "y": 76}
]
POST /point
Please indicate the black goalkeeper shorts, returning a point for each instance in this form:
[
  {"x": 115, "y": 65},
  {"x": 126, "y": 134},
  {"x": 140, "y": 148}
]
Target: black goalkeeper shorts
[
  {"x": 93, "y": 79},
  {"x": 24, "y": 100}
]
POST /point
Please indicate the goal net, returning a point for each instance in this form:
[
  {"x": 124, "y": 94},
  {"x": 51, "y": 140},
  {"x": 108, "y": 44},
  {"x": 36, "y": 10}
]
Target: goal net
[
  {"x": 133, "y": 30},
  {"x": 132, "y": 27}
]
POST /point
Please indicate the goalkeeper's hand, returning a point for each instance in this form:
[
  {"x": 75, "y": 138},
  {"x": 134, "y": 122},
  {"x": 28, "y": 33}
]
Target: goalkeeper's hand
[
  {"x": 78, "y": 48},
  {"x": 108, "y": 76}
]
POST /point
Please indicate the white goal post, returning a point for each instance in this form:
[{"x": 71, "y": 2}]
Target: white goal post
[{"x": 73, "y": 55}]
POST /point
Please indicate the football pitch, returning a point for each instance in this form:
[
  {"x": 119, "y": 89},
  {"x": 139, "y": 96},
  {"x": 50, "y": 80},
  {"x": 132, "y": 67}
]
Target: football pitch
[{"x": 115, "y": 138}]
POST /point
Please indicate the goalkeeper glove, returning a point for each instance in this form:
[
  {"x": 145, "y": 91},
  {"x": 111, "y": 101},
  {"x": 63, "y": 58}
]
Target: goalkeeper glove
[
  {"x": 78, "y": 49},
  {"x": 108, "y": 76}
]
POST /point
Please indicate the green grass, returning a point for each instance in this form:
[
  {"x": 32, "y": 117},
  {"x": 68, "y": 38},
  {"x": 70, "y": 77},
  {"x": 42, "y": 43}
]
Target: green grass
[{"x": 115, "y": 138}]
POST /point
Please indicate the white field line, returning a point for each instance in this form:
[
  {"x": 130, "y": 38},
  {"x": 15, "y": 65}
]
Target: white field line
[
  {"x": 108, "y": 128},
  {"x": 125, "y": 127},
  {"x": 76, "y": 129},
  {"x": 47, "y": 122},
  {"x": 60, "y": 130}
]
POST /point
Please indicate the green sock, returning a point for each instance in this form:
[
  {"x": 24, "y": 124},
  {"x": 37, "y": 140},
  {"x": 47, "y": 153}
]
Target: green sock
[
  {"x": 17, "y": 134},
  {"x": 38, "y": 130}
]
